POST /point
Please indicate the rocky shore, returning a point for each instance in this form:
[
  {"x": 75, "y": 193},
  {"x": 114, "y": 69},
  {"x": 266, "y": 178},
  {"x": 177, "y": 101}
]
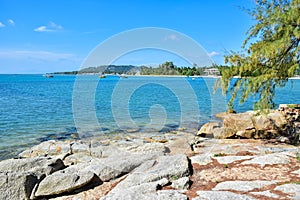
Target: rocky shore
[{"x": 174, "y": 165}]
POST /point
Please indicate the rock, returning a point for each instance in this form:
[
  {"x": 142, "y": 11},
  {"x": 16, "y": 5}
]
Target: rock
[
  {"x": 120, "y": 164},
  {"x": 266, "y": 193},
  {"x": 77, "y": 158},
  {"x": 169, "y": 167},
  {"x": 17, "y": 185},
  {"x": 243, "y": 186},
  {"x": 231, "y": 159},
  {"x": 64, "y": 181},
  {"x": 170, "y": 195},
  {"x": 223, "y": 133},
  {"x": 181, "y": 183},
  {"x": 145, "y": 191},
  {"x": 247, "y": 134},
  {"x": 201, "y": 159},
  {"x": 50, "y": 147},
  {"x": 222, "y": 115},
  {"x": 278, "y": 119},
  {"x": 217, "y": 195},
  {"x": 241, "y": 121},
  {"x": 289, "y": 188},
  {"x": 80, "y": 147},
  {"x": 207, "y": 129},
  {"x": 37, "y": 165},
  {"x": 262, "y": 123},
  {"x": 269, "y": 159}
]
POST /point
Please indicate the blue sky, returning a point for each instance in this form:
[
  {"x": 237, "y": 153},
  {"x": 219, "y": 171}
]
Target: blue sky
[{"x": 58, "y": 35}]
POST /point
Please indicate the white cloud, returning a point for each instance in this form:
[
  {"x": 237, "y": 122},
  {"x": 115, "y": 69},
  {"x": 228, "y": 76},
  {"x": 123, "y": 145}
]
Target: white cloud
[
  {"x": 213, "y": 53},
  {"x": 1, "y": 25},
  {"x": 11, "y": 22},
  {"x": 52, "y": 27}
]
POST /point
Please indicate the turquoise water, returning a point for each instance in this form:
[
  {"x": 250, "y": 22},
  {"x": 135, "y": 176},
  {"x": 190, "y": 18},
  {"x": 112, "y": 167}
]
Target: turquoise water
[{"x": 34, "y": 108}]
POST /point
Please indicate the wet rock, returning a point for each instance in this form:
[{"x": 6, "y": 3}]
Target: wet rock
[
  {"x": 181, "y": 183},
  {"x": 17, "y": 185},
  {"x": 64, "y": 181},
  {"x": 243, "y": 186},
  {"x": 217, "y": 195}
]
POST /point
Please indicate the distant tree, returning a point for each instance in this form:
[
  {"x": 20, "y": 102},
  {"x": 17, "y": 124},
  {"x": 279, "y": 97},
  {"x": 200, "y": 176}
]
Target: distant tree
[{"x": 271, "y": 53}]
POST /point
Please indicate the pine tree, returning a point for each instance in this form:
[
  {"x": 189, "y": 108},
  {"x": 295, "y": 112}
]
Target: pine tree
[{"x": 270, "y": 54}]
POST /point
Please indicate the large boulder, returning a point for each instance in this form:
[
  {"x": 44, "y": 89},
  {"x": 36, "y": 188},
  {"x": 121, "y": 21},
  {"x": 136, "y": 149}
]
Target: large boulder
[
  {"x": 237, "y": 122},
  {"x": 17, "y": 185},
  {"x": 207, "y": 129},
  {"x": 63, "y": 181}
]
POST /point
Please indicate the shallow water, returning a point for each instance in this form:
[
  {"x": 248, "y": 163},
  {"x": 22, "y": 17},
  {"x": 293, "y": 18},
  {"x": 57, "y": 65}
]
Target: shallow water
[{"x": 34, "y": 108}]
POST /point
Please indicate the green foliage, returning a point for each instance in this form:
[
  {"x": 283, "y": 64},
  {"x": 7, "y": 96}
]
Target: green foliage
[
  {"x": 271, "y": 56},
  {"x": 219, "y": 154}
]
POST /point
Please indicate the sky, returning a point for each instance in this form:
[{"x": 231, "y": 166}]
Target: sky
[{"x": 59, "y": 35}]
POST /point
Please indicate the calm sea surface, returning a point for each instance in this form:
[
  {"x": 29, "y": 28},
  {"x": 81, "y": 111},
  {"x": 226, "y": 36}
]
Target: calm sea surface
[{"x": 34, "y": 108}]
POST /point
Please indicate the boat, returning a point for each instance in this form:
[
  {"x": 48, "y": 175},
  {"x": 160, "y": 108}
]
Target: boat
[
  {"x": 102, "y": 76},
  {"x": 48, "y": 75},
  {"x": 123, "y": 76}
]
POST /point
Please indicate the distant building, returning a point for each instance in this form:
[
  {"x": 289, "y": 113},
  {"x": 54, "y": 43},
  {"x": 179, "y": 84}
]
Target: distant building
[{"x": 212, "y": 72}]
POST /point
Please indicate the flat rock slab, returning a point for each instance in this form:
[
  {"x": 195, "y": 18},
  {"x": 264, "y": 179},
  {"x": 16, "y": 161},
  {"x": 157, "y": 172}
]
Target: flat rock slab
[
  {"x": 37, "y": 165},
  {"x": 231, "y": 159},
  {"x": 217, "y": 195},
  {"x": 269, "y": 159},
  {"x": 146, "y": 191},
  {"x": 266, "y": 193},
  {"x": 243, "y": 186},
  {"x": 201, "y": 159},
  {"x": 289, "y": 189}
]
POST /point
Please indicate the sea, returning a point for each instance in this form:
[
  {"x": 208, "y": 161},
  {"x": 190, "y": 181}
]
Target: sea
[{"x": 34, "y": 108}]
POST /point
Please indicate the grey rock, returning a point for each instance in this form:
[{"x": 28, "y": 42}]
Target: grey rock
[
  {"x": 243, "y": 186},
  {"x": 266, "y": 193},
  {"x": 50, "y": 147},
  {"x": 181, "y": 183},
  {"x": 217, "y": 195},
  {"x": 104, "y": 151},
  {"x": 231, "y": 159},
  {"x": 80, "y": 147},
  {"x": 146, "y": 191},
  {"x": 64, "y": 181},
  {"x": 269, "y": 159},
  {"x": 36, "y": 165},
  {"x": 201, "y": 159},
  {"x": 296, "y": 172},
  {"x": 289, "y": 188},
  {"x": 169, "y": 167},
  {"x": 115, "y": 166},
  {"x": 157, "y": 148},
  {"x": 77, "y": 158},
  {"x": 17, "y": 186},
  {"x": 170, "y": 195}
]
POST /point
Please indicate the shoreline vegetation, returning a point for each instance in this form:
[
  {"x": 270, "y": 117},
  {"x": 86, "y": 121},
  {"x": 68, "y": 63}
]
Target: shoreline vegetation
[{"x": 167, "y": 69}]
